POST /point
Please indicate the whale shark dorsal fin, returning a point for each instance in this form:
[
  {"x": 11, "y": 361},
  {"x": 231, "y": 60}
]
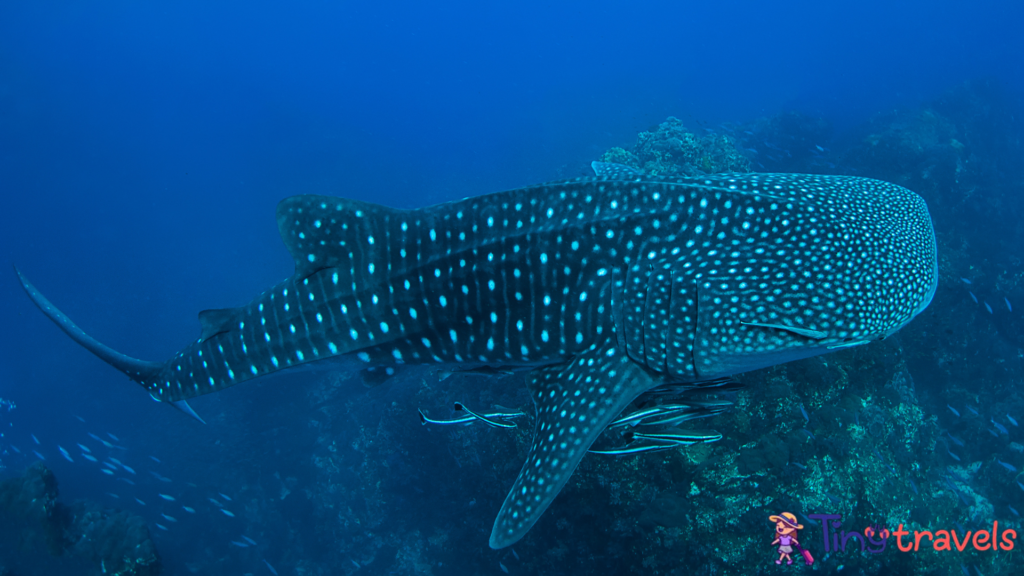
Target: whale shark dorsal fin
[
  {"x": 612, "y": 170},
  {"x": 217, "y": 321},
  {"x": 347, "y": 235}
]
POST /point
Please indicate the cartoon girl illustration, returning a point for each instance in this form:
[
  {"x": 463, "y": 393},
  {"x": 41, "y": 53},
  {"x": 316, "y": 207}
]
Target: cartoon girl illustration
[{"x": 785, "y": 536}]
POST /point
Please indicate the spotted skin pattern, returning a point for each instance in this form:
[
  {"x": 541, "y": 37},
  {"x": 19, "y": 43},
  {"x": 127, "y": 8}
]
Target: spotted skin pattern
[{"x": 607, "y": 286}]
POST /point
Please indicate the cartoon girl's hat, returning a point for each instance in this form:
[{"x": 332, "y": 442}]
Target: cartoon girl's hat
[{"x": 788, "y": 519}]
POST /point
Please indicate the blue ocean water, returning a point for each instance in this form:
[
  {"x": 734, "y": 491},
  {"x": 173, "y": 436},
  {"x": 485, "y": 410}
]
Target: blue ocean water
[{"x": 144, "y": 147}]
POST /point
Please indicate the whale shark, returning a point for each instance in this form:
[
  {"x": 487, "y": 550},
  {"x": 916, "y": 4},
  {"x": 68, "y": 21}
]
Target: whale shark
[{"x": 599, "y": 289}]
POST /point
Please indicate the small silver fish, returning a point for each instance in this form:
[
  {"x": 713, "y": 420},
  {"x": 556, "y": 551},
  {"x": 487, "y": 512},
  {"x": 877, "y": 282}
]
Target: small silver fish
[
  {"x": 269, "y": 567},
  {"x": 953, "y": 410},
  {"x": 141, "y": 503},
  {"x": 155, "y": 459},
  {"x": 516, "y": 556},
  {"x": 112, "y": 437},
  {"x": 227, "y": 513},
  {"x": 64, "y": 453},
  {"x": 239, "y": 544},
  {"x": 34, "y": 439},
  {"x": 502, "y": 566},
  {"x": 1012, "y": 509},
  {"x": 249, "y": 540},
  {"x": 1002, "y": 429},
  {"x": 80, "y": 419},
  {"x": 224, "y": 496},
  {"x": 166, "y": 497},
  {"x": 169, "y": 518},
  {"x": 112, "y": 495},
  {"x": 127, "y": 481},
  {"x": 1006, "y": 465},
  {"x": 965, "y": 280},
  {"x": 161, "y": 526},
  {"x": 1008, "y": 307},
  {"x": 973, "y": 410},
  {"x": 189, "y": 509},
  {"x": 84, "y": 448},
  {"x": 1012, "y": 421},
  {"x": 989, "y": 308},
  {"x": 973, "y": 297},
  {"x": 215, "y": 503},
  {"x": 108, "y": 471}
]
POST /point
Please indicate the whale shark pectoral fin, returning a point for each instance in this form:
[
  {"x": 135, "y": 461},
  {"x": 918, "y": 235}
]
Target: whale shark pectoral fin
[{"x": 575, "y": 401}]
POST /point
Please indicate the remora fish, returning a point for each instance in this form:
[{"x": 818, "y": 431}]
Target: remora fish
[
  {"x": 604, "y": 287},
  {"x": 479, "y": 371}
]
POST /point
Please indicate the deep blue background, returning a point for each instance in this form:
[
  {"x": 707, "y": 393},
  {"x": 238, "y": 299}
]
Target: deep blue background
[{"x": 143, "y": 146}]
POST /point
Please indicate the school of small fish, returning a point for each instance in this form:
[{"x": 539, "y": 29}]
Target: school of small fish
[
  {"x": 997, "y": 429},
  {"x": 988, "y": 307},
  {"x": 112, "y": 464}
]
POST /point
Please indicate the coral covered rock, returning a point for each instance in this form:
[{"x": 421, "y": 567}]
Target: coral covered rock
[
  {"x": 670, "y": 149},
  {"x": 38, "y": 528}
]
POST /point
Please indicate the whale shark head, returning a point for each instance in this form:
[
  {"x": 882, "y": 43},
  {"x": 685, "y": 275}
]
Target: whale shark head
[{"x": 835, "y": 262}]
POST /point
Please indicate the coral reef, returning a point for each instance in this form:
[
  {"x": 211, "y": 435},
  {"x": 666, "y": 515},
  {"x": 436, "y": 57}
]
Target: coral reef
[
  {"x": 669, "y": 149},
  {"x": 35, "y": 524}
]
